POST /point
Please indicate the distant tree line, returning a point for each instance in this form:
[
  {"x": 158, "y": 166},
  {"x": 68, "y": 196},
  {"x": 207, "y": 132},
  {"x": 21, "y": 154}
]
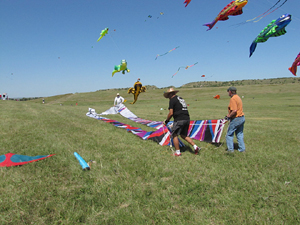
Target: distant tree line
[
  {"x": 24, "y": 99},
  {"x": 240, "y": 82}
]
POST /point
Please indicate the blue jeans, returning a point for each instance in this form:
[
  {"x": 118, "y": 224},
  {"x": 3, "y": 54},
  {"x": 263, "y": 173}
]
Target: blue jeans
[{"x": 236, "y": 126}]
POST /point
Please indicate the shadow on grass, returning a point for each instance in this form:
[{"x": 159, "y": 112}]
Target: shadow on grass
[{"x": 188, "y": 148}]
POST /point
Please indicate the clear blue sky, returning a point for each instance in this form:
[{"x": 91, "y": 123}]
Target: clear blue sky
[{"x": 50, "y": 47}]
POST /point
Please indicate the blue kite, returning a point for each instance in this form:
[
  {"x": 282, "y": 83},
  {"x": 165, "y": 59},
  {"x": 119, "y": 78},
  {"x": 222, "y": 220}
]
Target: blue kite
[{"x": 11, "y": 159}]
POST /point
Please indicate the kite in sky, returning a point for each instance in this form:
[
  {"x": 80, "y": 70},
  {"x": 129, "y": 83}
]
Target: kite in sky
[
  {"x": 274, "y": 29},
  {"x": 296, "y": 63},
  {"x": 11, "y": 159},
  {"x": 186, "y": 67},
  {"x": 122, "y": 66},
  {"x": 234, "y": 8},
  {"x": 186, "y": 2},
  {"x": 103, "y": 33},
  {"x": 161, "y": 13},
  {"x": 167, "y": 52},
  {"x": 136, "y": 90},
  {"x": 203, "y": 76}
]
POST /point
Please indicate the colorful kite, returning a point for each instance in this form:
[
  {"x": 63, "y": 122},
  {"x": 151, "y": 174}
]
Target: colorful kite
[
  {"x": 122, "y": 67},
  {"x": 296, "y": 63},
  {"x": 202, "y": 130},
  {"x": 161, "y": 13},
  {"x": 274, "y": 29},
  {"x": 167, "y": 52},
  {"x": 203, "y": 76},
  {"x": 102, "y": 34},
  {"x": 186, "y": 67},
  {"x": 11, "y": 159},
  {"x": 136, "y": 90},
  {"x": 149, "y": 17},
  {"x": 234, "y": 8},
  {"x": 186, "y": 2}
]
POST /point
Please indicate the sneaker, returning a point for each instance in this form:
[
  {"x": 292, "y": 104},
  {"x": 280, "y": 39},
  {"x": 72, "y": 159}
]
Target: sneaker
[
  {"x": 177, "y": 154},
  {"x": 229, "y": 152},
  {"x": 197, "y": 150}
]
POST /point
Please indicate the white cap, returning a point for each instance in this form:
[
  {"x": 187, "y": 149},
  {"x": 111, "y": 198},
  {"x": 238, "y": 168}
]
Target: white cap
[{"x": 118, "y": 94}]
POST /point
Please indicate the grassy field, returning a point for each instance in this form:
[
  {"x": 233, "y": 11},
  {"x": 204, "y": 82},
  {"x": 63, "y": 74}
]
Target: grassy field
[{"x": 139, "y": 182}]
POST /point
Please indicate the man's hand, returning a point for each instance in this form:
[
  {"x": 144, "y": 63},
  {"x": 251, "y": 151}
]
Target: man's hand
[{"x": 166, "y": 122}]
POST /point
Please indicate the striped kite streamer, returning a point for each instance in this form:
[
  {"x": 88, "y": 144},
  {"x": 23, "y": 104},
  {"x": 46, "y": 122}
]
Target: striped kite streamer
[{"x": 202, "y": 130}]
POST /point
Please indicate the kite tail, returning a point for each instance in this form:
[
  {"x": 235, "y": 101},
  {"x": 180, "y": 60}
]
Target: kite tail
[
  {"x": 252, "y": 48},
  {"x": 210, "y": 25},
  {"x": 293, "y": 70},
  {"x": 136, "y": 94},
  {"x": 113, "y": 73}
]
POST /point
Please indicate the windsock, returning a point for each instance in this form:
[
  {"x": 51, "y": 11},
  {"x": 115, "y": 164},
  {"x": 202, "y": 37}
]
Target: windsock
[{"x": 83, "y": 163}]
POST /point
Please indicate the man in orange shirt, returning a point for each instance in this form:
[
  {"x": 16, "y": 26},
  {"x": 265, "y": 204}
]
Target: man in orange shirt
[{"x": 237, "y": 121}]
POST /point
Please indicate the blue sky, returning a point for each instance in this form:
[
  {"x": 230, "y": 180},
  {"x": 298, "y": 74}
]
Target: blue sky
[{"x": 50, "y": 47}]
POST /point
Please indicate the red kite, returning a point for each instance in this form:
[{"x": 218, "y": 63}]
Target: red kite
[{"x": 11, "y": 159}]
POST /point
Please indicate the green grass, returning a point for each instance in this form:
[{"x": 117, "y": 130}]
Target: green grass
[{"x": 139, "y": 182}]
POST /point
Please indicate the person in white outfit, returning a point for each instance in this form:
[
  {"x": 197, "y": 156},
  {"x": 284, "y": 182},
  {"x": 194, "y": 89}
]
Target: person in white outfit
[{"x": 118, "y": 99}]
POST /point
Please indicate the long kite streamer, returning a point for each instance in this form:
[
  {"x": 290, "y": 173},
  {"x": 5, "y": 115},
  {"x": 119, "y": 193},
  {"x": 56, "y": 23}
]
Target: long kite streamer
[
  {"x": 186, "y": 67},
  {"x": 161, "y": 136},
  {"x": 167, "y": 52},
  {"x": 202, "y": 130}
]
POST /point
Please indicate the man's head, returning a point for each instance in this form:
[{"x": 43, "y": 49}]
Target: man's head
[
  {"x": 170, "y": 93},
  {"x": 231, "y": 90},
  {"x": 118, "y": 94}
]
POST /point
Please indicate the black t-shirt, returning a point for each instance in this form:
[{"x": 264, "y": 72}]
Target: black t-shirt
[{"x": 180, "y": 111}]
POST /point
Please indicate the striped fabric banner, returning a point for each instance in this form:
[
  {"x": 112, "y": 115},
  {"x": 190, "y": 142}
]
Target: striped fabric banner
[{"x": 201, "y": 130}]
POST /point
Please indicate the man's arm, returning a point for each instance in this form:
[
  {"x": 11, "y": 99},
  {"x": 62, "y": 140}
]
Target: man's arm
[
  {"x": 232, "y": 114},
  {"x": 170, "y": 114},
  {"x": 232, "y": 108}
]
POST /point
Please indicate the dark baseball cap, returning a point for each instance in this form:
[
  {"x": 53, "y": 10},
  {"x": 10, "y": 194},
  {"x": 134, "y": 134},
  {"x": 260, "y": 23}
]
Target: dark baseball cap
[{"x": 231, "y": 89}]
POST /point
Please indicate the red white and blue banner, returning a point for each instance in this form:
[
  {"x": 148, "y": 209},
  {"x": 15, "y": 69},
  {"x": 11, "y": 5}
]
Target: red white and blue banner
[{"x": 202, "y": 130}]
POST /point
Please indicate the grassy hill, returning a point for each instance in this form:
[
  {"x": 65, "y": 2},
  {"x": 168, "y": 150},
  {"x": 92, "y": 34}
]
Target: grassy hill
[{"x": 139, "y": 182}]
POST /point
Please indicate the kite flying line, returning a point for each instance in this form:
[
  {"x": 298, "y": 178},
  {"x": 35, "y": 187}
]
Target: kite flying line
[
  {"x": 167, "y": 52},
  {"x": 115, "y": 43},
  {"x": 263, "y": 14},
  {"x": 186, "y": 67}
]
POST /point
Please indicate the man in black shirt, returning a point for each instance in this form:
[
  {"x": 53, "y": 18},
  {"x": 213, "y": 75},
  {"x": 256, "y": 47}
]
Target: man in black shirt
[{"x": 178, "y": 110}]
